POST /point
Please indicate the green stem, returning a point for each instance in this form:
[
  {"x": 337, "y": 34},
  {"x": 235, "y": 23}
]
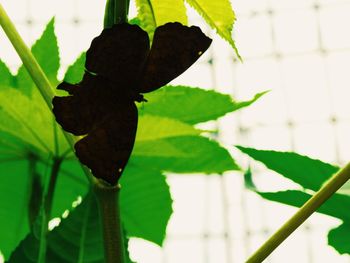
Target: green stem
[
  {"x": 52, "y": 185},
  {"x": 35, "y": 71},
  {"x": 116, "y": 12},
  {"x": 327, "y": 190},
  {"x": 108, "y": 200}
]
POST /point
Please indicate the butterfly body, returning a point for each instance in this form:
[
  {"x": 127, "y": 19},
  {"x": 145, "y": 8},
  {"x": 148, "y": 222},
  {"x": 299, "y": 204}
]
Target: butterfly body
[{"x": 120, "y": 66}]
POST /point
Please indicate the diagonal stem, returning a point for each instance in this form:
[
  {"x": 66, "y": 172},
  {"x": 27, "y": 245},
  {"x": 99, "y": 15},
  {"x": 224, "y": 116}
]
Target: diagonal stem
[
  {"x": 327, "y": 190},
  {"x": 35, "y": 72}
]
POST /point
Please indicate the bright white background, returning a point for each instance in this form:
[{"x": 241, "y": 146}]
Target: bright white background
[{"x": 298, "y": 49}]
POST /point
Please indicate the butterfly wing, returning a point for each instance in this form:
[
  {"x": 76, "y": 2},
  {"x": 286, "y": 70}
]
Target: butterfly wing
[
  {"x": 107, "y": 148},
  {"x": 175, "y": 48},
  {"x": 78, "y": 113},
  {"x": 119, "y": 54}
]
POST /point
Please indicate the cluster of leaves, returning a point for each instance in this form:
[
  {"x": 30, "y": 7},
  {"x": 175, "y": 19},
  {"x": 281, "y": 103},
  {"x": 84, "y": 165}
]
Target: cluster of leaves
[
  {"x": 217, "y": 14},
  {"x": 310, "y": 174},
  {"x": 30, "y": 142}
]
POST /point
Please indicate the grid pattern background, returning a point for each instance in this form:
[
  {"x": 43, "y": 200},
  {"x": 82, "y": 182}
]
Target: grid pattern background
[{"x": 298, "y": 49}]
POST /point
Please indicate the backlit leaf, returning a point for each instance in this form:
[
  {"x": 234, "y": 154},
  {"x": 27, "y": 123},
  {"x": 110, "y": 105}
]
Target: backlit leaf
[
  {"x": 154, "y": 13},
  {"x": 309, "y": 173},
  {"x": 45, "y": 50},
  {"x": 200, "y": 155},
  {"x": 339, "y": 238},
  {"x": 337, "y": 206},
  {"x": 75, "y": 72},
  {"x": 191, "y": 105},
  {"x": 6, "y": 78},
  {"x": 219, "y": 15}
]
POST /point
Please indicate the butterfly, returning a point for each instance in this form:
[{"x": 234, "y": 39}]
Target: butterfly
[{"x": 119, "y": 67}]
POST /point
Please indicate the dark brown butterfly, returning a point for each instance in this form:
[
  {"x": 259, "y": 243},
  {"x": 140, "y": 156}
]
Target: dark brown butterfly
[{"x": 119, "y": 66}]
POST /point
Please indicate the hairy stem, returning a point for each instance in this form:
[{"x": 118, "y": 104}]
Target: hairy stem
[
  {"x": 108, "y": 201},
  {"x": 34, "y": 70},
  {"x": 327, "y": 190}
]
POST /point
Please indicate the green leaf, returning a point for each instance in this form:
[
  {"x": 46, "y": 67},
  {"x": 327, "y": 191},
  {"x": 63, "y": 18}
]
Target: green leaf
[
  {"x": 248, "y": 180},
  {"x": 307, "y": 172},
  {"x": 337, "y": 206},
  {"x": 339, "y": 238},
  {"x": 154, "y": 13},
  {"x": 77, "y": 239},
  {"x": 71, "y": 184},
  {"x": 75, "y": 71},
  {"x": 14, "y": 221},
  {"x": 145, "y": 203},
  {"x": 200, "y": 155},
  {"x": 191, "y": 105},
  {"x": 45, "y": 50},
  {"x": 155, "y": 127},
  {"x": 219, "y": 15},
  {"x": 30, "y": 120},
  {"x": 6, "y": 78}
]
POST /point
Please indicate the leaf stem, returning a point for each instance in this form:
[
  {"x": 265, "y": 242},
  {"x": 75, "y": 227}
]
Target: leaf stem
[
  {"x": 35, "y": 71},
  {"x": 108, "y": 200},
  {"x": 51, "y": 188},
  {"x": 326, "y": 191}
]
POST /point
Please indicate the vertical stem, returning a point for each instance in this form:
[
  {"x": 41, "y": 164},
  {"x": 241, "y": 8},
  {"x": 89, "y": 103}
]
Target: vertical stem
[
  {"x": 108, "y": 200},
  {"x": 51, "y": 188},
  {"x": 116, "y": 12},
  {"x": 301, "y": 215}
]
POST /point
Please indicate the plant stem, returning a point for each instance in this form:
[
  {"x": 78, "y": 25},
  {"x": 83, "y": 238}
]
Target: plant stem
[
  {"x": 108, "y": 201},
  {"x": 326, "y": 191},
  {"x": 35, "y": 71},
  {"x": 116, "y": 12},
  {"x": 51, "y": 188}
]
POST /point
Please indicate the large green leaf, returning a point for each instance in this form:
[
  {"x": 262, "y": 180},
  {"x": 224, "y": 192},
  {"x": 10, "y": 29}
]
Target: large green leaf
[
  {"x": 45, "y": 50},
  {"x": 191, "y": 105},
  {"x": 146, "y": 204},
  {"x": 309, "y": 173},
  {"x": 77, "y": 239},
  {"x": 154, "y": 13},
  {"x": 200, "y": 155},
  {"x": 14, "y": 223},
  {"x": 219, "y": 15},
  {"x": 339, "y": 238}
]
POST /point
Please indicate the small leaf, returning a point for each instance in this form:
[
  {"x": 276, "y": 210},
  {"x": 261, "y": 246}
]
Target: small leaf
[
  {"x": 191, "y": 105},
  {"x": 45, "y": 50},
  {"x": 219, "y": 15},
  {"x": 200, "y": 155},
  {"x": 309, "y": 173},
  {"x": 75, "y": 72},
  {"x": 339, "y": 238},
  {"x": 248, "y": 180},
  {"x": 337, "y": 206},
  {"x": 154, "y": 13}
]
